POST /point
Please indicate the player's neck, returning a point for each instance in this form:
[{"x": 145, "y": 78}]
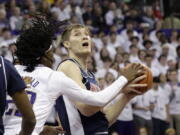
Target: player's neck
[{"x": 81, "y": 60}]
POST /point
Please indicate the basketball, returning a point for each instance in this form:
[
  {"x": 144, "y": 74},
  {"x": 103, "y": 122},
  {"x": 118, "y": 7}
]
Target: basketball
[{"x": 148, "y": 80}]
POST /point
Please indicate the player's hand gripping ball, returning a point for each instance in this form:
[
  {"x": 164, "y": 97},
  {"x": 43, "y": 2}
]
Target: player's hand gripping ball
[{"x": 148, "y": 80}]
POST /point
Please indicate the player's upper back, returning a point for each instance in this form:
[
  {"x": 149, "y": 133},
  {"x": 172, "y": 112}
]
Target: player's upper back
[{"x": 41, "y": 93}]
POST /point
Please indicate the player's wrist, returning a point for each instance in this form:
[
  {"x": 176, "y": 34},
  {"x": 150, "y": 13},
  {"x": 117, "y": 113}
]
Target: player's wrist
[{"x": 122, "y": 79}]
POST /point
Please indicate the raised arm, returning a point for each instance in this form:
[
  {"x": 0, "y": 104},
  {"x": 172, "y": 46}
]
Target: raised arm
[
  {"x": 75, "y": 92},
  {"x": 68, "y": 87}
]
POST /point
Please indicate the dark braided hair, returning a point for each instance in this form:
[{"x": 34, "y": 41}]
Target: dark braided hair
[{"x": 35, "y": 40}]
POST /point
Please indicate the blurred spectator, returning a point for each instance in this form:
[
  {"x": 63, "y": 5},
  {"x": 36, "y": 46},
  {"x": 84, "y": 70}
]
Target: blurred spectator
[
  {"x": 44, "y": 7},
  {"x": 87, "y": 13},
  {"x": 174, "y": 99},
  {"x": 98, "y": 20},
  {"x": 128, "y": 27},
  {"x": 171, "y": 22},
  {"x": 174, "y": 38},
  {"x": 60, "y": 8},
  {"x": 133, "y": 54},
  {"x": 154, "y": 33},
  {"x": 110, "y": 78},
  {"x": 142, "y": 112},
  {"x": 178, "y": 53},
  {"x": 133, "y": 15},
  {"x": 160, "y": 112},
  {"x": 113, "y": 43},
  {"x": 149, "y": 17},
  {"x": 163, "y": 67},
  {"x": 147, "y": 44},
  {"x": 112, "y": 14},
  {"x": 125, "y": 123},
  {"x": 3, "y": 21},
  {"x": 16, "y": 19}
]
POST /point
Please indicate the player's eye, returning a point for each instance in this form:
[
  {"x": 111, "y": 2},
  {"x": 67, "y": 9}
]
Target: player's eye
[{"x": 77, "y": 34}]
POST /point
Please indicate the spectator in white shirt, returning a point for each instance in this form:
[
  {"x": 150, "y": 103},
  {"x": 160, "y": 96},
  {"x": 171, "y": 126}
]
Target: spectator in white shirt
[
  {"x": 125, "y": 123},
  {"x": 160, "y": 113},
  {"x": 147, "y": 44},
  {"x": 128, "y": 26},
  {"x": 141, "y": 56},
  {"x": 133, "y": 54},
  {"x": 153, "y": 34},
  {"x": 152, "y": 65},
  {"x": 112, "y": 14},
  {"x": 174, "y": 38},
  {"x": 61, "y": 10},
  {"x": 174, "y": 104},
  {"x": 118, "y": 59},
  {"x": 162, "y": 67},
  {"x": 135, "y": 41},
  {"x": 142, "y": 112},
  {"x": 16, "y": 19},
  {"x": 127, "y": 42},
  {"x": 113, "y": 43}
]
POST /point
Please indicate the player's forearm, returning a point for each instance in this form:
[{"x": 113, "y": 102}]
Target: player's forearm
[
  {"x": 114, "y": 110},
  {"x": 27, "y": 126},
  {"x": 95, "y": 98}
]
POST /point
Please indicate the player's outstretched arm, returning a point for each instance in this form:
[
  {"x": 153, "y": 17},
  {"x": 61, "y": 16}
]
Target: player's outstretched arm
[{"x": 68, "y": 87}]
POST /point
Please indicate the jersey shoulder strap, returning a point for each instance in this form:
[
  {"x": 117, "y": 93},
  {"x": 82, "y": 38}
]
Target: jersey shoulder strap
[
  {"x": 73, "y": 60},
  {"x": 4, "y": 71}
]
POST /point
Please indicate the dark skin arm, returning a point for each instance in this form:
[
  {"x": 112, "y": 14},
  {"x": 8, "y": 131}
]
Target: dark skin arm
[{"x": 24, "y": 106}]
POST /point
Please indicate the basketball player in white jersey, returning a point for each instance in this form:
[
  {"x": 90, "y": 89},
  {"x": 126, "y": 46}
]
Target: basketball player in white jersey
[
  {"x": 44, "y": 85},
  {"x": 84, "y": 119}
]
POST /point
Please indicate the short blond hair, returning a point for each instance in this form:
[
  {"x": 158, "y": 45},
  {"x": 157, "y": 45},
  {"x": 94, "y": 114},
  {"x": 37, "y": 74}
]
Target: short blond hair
[{"x": 66, "y": 34}]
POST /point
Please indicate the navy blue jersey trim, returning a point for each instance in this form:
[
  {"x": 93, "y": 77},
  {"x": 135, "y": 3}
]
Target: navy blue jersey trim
[{"x": 62, "y": 112}]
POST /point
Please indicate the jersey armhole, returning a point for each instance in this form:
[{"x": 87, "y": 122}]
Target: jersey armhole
[{"x": 4, "y": 72}]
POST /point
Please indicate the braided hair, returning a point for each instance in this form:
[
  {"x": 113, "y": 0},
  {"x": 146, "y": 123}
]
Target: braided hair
[{"x": 35, "y": 40}]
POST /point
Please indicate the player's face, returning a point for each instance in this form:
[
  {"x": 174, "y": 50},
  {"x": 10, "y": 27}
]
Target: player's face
[{"x": 80, "y": 41}]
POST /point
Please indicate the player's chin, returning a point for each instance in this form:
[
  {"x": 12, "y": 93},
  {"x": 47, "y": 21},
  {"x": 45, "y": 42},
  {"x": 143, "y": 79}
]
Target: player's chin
[{"x": 85, "y": 52}]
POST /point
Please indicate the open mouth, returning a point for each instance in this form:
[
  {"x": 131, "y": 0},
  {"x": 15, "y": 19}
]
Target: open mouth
[{"x": 85, "y": 44}]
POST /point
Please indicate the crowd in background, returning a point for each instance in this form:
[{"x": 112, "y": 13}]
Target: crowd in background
[{"x": 121, "y": 33}]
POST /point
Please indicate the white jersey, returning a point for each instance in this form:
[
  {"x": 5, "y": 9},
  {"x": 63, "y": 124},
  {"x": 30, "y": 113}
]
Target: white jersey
[{"x": 44, "y": 87}]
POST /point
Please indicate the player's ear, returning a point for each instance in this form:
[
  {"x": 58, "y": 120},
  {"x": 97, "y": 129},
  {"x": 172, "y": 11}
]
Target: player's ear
[{"x": 67, "y": 44}]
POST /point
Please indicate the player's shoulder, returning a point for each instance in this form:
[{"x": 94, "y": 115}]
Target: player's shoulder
[
  {"x": 68, "y": 66},
  {"x": 8, "y": 64},
  {"x": 44, "y": 71}
]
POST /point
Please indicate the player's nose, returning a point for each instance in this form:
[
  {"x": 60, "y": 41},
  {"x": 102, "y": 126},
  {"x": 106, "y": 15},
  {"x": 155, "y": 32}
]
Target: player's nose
[{"x": 85, "y": 38}]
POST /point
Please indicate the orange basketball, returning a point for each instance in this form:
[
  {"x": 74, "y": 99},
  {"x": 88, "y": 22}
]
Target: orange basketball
[{"x": 148, "y": 80}]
